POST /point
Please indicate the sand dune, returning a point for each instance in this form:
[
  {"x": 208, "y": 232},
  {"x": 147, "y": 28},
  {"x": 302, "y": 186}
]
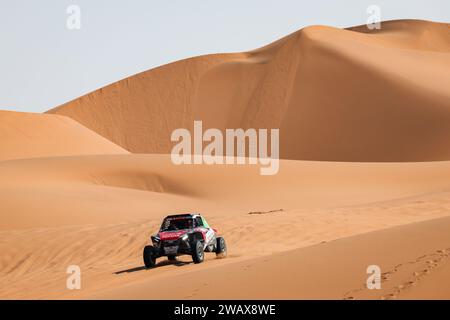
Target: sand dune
[
  {"x": 376, "y": 103},
  {"x": 337, "y": 95},
  {"x": 29, "y": 135}
]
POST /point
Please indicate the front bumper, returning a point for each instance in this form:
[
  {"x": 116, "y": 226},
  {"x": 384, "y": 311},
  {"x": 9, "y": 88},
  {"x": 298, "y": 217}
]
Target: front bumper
[{"x": 172, "y": 247}]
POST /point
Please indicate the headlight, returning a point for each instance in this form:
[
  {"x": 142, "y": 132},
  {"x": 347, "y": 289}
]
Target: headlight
[
  {"x": 155, "y": 239},
  {"x": 184, "y": 237}
]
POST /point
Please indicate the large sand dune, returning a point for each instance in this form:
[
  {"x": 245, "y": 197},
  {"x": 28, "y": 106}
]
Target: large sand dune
[{"x": 338, "y": 95}]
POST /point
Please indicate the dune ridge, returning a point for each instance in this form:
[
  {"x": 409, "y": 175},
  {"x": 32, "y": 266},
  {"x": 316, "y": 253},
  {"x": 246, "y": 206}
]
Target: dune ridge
[{"x": 320, "y": 86}]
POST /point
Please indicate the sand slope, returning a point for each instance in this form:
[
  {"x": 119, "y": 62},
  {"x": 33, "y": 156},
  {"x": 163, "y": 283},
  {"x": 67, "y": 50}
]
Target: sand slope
[
  {"x": 114, "y": 188},
  {"x": 98, "y": 212},
  {"x": 409, "y": 257},
  {"x": 339, "y": 95},
  {"x": 29, "y": 135}
]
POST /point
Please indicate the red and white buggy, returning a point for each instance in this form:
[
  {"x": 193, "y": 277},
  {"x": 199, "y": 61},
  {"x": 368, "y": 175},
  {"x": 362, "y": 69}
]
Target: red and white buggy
[{"x": 184, "y": 234}]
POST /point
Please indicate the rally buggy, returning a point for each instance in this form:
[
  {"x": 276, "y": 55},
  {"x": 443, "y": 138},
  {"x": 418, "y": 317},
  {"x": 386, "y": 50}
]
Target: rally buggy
[{"x": 184, "y": 234}]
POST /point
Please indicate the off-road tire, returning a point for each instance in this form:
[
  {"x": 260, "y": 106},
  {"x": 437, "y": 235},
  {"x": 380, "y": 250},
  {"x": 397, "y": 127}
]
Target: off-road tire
[
  {"x": 149, "y": 256},
  {"x": 221, "y": 248},
  {"x": 198, "y": 255}
]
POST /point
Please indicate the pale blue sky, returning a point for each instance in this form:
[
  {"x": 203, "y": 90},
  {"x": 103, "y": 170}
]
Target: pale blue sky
[{"x": 44, "y": 64}]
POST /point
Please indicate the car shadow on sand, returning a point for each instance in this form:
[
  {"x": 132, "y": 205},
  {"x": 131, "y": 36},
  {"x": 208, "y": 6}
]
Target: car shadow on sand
[{"x": 158, "y": 265}]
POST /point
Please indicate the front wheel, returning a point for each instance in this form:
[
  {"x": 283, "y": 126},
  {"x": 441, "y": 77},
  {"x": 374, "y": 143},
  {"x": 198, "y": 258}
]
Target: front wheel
[
  {"x": 221, "y": 248},
  {"x": 198, "y": 255},
  {"x": 149, "y": 256}
]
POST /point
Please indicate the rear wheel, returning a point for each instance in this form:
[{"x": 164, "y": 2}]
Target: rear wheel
[
  {"x": 149, "y": 256},
  {"x": 221, "y": 248},
  {"x": 198, "y": 255}
]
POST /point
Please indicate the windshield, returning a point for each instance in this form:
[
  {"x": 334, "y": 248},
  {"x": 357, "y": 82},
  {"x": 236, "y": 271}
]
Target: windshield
[{"x": 173, "y": 224}]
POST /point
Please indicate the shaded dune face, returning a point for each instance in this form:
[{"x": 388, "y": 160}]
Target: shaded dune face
[{"x": 335, "y": 94}]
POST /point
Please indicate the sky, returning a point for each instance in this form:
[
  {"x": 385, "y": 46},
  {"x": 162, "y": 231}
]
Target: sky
[{"x": 47, "y": 58}]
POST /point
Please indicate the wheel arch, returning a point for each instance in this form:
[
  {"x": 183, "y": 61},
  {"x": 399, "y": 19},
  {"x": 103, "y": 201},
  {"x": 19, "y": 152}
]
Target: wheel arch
[{"x": 196, "y": 236}]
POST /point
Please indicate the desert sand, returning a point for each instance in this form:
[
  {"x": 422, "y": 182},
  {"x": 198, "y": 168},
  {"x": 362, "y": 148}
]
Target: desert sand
[{"x": 364, "y": 120}]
